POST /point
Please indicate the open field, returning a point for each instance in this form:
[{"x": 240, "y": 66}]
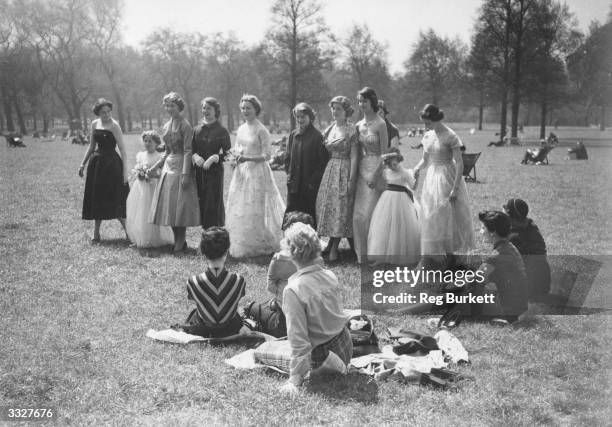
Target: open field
[{"x": 74, "y": 316}]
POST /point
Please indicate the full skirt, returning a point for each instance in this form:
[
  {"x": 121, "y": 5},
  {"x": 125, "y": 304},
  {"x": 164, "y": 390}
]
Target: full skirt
[
  {"x": 446, "y": 227},
  {"x": 334, "y": 201},
  {"x": 172, "y": 205},
  {"x": 105, "y": 192},
  {"x": 255, "y": 211},
  {"x": 365, "y": 202},
  {"x": 140, "y": 231},
  {"x": 395, "y": 235}
]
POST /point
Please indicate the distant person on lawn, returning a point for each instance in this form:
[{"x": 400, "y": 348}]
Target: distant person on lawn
[
  {"x": 216, "y": 291},
  {"x": 526, "y": 236},
  {"x": 316, "y": 325}
]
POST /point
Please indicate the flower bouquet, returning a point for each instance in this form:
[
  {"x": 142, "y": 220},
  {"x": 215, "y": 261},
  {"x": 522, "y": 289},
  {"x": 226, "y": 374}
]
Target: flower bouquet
[
  {"x": 140, "y": 172},
  {"x": 233, "y": 156}
]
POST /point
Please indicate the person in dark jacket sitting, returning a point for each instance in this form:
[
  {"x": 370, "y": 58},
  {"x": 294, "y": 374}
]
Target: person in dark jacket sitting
[{"x": 526, "y": 236}]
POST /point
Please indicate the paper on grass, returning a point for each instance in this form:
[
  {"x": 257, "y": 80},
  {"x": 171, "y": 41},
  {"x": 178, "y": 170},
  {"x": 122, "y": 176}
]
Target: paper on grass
[{"x": 180, "y": 337}]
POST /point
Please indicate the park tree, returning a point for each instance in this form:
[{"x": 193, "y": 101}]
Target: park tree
[
  {"x": 590, "y": 67},
  {"x": 482, "y": 71},
  {"x": 554, "y": 36},
  {"x": 229, "y": 63},
  {"x": 12, "y": 46},
  {"x": 59, "y": 33},
  {"x": 433, "y": 69},
  {"x": 500, "y": 28},
  {"x": 178, "y": 59},
  {"x": 295, "y": 42},
  {"x": 365, "y": 58},
  {"x": 104, "y": 19}
]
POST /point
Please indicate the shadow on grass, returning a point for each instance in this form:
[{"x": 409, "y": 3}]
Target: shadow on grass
[{"x": 352, "y": 387}]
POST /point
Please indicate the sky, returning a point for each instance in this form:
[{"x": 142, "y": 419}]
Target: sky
[{"x": 395, "y": 22}]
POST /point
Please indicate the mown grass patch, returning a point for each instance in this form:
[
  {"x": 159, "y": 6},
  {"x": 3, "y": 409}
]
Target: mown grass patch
[{"x": 74, "y": 314}]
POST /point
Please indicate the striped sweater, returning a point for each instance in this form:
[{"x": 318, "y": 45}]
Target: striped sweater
[{"x": 216, "y": 297}]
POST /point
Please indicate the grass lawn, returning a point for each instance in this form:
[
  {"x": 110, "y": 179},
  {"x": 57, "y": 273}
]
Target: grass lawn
[{"x": 74, "y": 315}]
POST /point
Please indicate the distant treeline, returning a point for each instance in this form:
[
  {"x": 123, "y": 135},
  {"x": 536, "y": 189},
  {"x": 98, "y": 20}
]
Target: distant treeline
[{"x": 527, "y": 63}]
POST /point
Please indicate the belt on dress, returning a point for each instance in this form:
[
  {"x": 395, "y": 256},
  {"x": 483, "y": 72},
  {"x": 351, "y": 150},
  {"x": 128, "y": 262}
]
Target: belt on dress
[{"x": 400, "y": 189}]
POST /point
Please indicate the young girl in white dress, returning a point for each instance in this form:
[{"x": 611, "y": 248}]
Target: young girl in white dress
[
  {"x": 394, "y": 236},
  {"x": 142, "y": 233}
]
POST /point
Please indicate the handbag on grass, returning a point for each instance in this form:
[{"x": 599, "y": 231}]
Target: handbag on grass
[
  {"x": 268, "y": 316},
  {"x": 364, "y": 338}
]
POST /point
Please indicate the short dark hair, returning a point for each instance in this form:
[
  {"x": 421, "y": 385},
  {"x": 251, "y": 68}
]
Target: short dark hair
[
  {"x": 432, "y": 112},
  {"x": 101, "y": 102},
  {"x": 496, "y": 221},
  {"x": 297, "y": 216},
  {"x": 213, "y": 103},
  {"x": 517, "y": 208},
  {"x": 215, "y": 242},
  {"x": 369, "y": 94}
]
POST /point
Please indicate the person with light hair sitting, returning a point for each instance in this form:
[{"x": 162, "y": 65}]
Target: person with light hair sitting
[{"x": 316, "y": 326}]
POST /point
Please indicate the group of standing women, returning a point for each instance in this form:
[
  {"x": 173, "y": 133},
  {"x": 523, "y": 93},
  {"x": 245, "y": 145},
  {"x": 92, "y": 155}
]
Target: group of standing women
[{"x": 335, "y": 176}]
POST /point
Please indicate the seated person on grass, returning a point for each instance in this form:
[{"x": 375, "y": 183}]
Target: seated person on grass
[
  {"x": 526, "y": 237},
  {"x": 269, "y": 314},
  {"x": 577, "y": 152},
  {"x": 504, "y": 271},
  {"x": 216, "y": 291},
  {"x": 316, "y": 326}
]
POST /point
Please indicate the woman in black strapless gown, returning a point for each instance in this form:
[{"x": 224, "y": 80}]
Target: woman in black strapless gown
[{"x": 106, "y": 187}]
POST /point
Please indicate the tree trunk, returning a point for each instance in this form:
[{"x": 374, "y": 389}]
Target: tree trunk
[
  {"x": 543, "y": 114},
  {"x": 45, "y": 123},
  {"x": 503, "y": 115},
  {"x": 481, "y": 109},
  {"x": 150, "y": 123},
  {"x": 602, "y": 120},
  {"x": 22, "y": 127}
]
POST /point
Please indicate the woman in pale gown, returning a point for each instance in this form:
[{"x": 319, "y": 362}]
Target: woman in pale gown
[
  {"x": 373, "y": 142},
  {"x": 446, "y": 219},
  {"x": 255, "y": 206}
]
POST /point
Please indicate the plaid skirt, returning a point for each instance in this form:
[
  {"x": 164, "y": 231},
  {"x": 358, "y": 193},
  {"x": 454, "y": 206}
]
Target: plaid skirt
[{"x": 341, "y": 344}]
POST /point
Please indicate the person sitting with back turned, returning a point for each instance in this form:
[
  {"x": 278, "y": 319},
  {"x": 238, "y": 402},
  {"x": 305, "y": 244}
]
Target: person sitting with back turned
[
  {"x": 526, "y": 236},
  {"x": 216, "y": 291},
  {"x": 316, "y": 327}
]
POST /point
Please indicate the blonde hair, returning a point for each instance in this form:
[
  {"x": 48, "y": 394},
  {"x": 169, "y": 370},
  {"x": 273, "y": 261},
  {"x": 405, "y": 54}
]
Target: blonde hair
[{"x": 301, "y": 242}]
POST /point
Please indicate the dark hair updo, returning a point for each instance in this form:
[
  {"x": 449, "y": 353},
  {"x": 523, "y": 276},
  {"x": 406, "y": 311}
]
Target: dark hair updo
[
  {"x": 101, "y": 102},
  {"x": 369, "y": 94}
]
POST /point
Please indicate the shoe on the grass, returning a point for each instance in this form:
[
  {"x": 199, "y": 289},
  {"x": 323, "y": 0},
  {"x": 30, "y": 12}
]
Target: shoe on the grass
[{"x": 499, "y": 322}]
